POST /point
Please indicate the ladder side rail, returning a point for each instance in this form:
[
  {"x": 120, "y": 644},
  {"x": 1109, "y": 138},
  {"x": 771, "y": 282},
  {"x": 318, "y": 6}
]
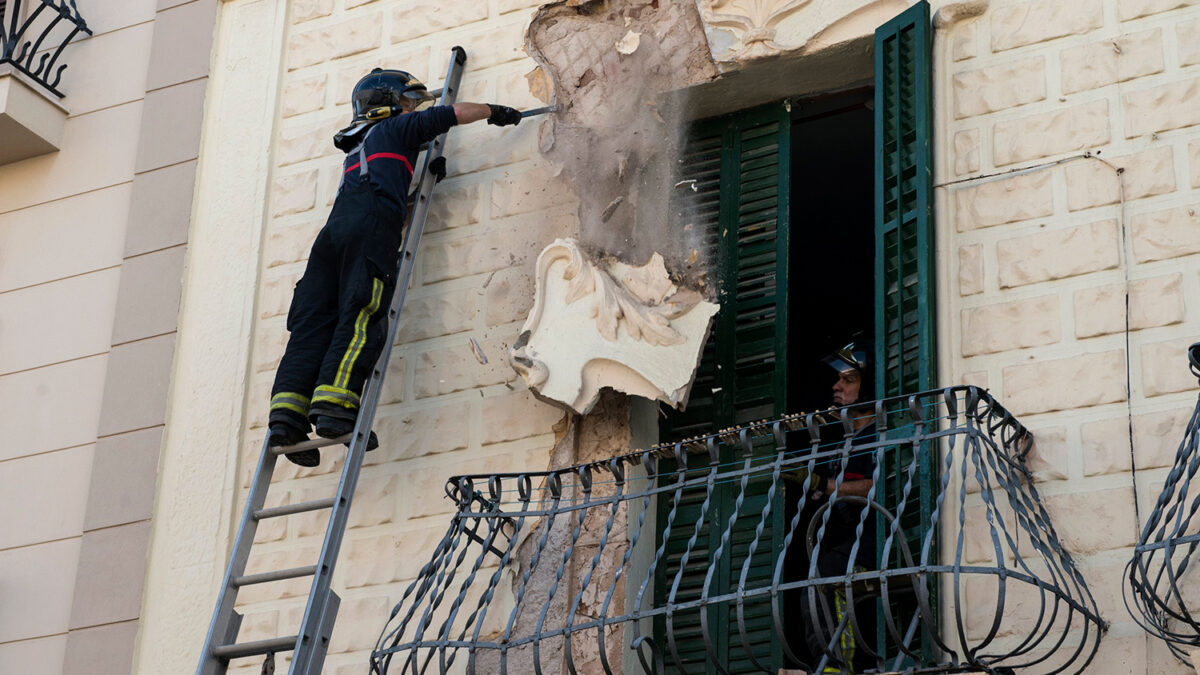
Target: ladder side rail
[
  {"x": 309, "y": 655},
  {"x": 412, "y": 238},
  {"x": 223, "y": 627}
]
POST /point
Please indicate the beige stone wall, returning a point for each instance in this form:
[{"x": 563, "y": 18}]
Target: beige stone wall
[
  {"x": 444, "y": 411},
  {"x": 92, "y": 247},
  {"x": 1033, "y": 269},
  {"x": 1035, "y": 264}
]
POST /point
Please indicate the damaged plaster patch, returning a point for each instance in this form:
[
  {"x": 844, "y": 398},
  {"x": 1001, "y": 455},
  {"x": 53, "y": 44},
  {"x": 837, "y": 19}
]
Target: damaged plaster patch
[
  {"x": 600, "y": 324},
  {"x": 615, "y": 136}
]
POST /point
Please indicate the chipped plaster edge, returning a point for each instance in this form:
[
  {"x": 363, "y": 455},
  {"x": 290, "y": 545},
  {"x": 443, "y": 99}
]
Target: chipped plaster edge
[{"x": 957, "y": 12}]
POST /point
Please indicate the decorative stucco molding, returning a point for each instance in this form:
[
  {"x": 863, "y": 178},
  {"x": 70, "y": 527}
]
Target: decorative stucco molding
[
  {"x": 953, "y": 13},
  {"x": 602, "y": 323},
  {"x": 747, "y": 30},
  {"x": 752, "y": 24}
]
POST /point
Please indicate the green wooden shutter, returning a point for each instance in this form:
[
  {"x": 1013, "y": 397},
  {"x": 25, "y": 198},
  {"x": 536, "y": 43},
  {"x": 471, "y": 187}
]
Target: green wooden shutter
[
  {"x": 701, "y": 209},
  {"x": 742, "y": 167},
  {"x": 904, "y": 287},
  {"x": 701, "y": 159},
  {"x": 904, "y": 283}
]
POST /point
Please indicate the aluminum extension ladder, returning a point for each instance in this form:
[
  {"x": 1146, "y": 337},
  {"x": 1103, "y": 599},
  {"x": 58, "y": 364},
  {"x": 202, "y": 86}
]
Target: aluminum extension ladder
[{"x": 309, "y": 646}]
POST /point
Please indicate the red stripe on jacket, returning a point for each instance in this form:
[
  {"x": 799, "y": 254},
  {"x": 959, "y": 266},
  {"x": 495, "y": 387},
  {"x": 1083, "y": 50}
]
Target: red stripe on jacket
[{"x": 385, "y": 155}]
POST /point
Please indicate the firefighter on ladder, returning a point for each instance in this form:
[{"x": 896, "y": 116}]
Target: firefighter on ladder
[{"x": 338, "y": 315}]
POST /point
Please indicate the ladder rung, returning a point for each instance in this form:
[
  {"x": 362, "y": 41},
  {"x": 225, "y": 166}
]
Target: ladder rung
[
  {"x": 289, "y": 509},
  {"x": 277, "y": 575},
  {"x": 255, "y": 648},
  {"x": 311, "y": 444}
]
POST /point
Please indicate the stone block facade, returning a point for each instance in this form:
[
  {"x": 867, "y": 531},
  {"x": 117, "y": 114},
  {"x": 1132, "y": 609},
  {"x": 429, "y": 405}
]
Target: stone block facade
[
  {"x": 452, "y": 404},
  {"x": 1074, "y": 291},
  {"x": 1067, "y": 141}
]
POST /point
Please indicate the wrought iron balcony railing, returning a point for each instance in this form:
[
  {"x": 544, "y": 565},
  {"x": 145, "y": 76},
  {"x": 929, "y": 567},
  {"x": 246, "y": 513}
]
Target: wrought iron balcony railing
[
  {"x": 34, "y": 35},
  {"x": 1158, "y": 585},
  {"x": 724, "y": 554}
]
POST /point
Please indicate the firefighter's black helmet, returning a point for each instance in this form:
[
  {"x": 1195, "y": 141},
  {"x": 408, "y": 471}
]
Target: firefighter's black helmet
[
  {"x": 379, "y": 89},
  {"x": 384, "y": 88}
]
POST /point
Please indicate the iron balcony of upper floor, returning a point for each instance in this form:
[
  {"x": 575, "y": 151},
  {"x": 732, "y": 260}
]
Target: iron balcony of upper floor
[
  {"x": 33, "y": 35},
  {"x": 710, "y": 555},
  {"x": 1159, "y": 591}
]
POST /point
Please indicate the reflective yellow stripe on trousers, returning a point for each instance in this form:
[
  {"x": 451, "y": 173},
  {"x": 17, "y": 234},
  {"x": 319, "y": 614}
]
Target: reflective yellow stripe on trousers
[
  {"x": 290, "y": 401},
  {"x": 342, "y": 380}
]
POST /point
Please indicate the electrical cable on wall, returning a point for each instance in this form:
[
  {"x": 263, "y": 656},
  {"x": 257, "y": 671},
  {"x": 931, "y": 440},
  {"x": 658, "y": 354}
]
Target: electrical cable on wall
[{"x": 1125, "y": 265}]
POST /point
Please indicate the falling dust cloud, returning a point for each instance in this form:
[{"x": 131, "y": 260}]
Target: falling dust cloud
[{"x": 617, "y": 138}]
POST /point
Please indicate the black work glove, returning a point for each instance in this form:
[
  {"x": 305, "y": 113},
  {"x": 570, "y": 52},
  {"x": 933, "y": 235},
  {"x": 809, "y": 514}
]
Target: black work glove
[
  {"x": 503, "y": 115},
  {"x": 438, "y": 168}
]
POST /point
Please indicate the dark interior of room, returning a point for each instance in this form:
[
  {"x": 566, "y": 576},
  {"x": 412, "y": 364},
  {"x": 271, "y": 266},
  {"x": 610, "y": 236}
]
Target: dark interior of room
[
  {"x": 831, "y": 292},
  {"x": 832, "y": 264}
]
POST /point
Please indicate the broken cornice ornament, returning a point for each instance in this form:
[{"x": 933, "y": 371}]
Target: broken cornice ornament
[{"x": 597, "y": 324}]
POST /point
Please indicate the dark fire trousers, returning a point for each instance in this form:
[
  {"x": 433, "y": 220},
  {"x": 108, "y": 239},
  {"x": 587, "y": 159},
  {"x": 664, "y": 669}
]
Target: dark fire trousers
[
  {"x": 833, "y": 560},
  {"x": 338, "y": 315}
]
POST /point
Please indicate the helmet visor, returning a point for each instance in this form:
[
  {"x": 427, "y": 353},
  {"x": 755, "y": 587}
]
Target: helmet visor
[
  {"x": 847, "y": 359},
  {"x": 417, "y": 94}
]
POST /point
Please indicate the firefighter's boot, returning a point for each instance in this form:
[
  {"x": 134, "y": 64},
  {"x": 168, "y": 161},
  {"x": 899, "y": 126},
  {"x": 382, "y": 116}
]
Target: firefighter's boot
[
  {"x": 282, "y": 434},
  {"x": 336, "y": 427}
]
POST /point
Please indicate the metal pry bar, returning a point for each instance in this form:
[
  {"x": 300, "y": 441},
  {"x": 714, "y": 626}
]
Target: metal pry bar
[
  {"x": 539, "y": 111},
  {"x": 532, "y": 112}
]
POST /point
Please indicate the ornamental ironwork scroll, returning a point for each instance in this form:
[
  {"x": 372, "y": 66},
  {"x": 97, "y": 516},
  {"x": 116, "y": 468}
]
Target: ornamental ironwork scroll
[
  {"x": 33, "y": 35},
  {"x": 1161, "y": 591},
  {"x": 721, "y": 552}
]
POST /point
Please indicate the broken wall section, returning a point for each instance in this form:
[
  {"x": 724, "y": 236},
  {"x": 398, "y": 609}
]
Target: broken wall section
[
  {"x": 607, "y": 63},
  {"x": 590, "y": 582},
  {"x": 614, "y": 140}
]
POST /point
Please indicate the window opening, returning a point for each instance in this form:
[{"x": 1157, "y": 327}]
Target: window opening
[{"x": 851, "y": 260}]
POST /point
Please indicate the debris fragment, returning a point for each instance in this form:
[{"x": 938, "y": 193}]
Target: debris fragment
[
  {"x": 693, "y": 257},
  {"x": 540, "y": 85},
  {"x": 612, "y": 206},
  {"x": 478, "y": 352},
  {"x": 629, "y": 43},
  {"x": 654, "y": 111},
  {"x": 690, "y": 183}
]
